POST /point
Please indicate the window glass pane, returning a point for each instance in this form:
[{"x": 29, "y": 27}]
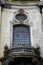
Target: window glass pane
[
  {"x": 21, "y": 36},
  {"x": 21, "y": 17}
]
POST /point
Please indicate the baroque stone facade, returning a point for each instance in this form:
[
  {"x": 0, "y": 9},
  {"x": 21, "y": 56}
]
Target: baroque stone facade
[{"x": 34, "y": 12}]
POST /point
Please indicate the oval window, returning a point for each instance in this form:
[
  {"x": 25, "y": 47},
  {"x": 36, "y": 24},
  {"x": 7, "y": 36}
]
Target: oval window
[{"x": 21, "y": 17}]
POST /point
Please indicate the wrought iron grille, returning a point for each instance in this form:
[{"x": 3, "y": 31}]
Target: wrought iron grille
[{"x": 21, "y": 36}]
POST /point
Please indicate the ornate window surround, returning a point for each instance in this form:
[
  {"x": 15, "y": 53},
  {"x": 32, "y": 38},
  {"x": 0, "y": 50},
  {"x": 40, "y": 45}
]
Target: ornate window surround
[
  {"x": 21, "y": 11},
  {"x": 11, "y": 33},
  {"x": 16, "y": 22}
]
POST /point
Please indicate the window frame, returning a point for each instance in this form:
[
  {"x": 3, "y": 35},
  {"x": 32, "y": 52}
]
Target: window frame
[{"x": 11, "y": 38}]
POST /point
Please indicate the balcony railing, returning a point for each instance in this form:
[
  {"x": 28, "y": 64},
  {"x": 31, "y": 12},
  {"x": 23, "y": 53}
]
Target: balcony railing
[{"x": 22, "y": 50}]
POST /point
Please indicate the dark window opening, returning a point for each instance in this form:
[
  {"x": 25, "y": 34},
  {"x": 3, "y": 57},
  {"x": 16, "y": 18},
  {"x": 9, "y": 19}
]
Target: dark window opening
[
  {"x": 21, "y": 17},
  {"x": 21, "y": 35}
]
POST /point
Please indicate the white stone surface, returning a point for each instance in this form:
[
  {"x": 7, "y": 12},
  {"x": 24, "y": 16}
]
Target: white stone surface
[
  {"x": 35, "y": 26},
  {"x": 42, "y": 35},
  {"x": 41, "y": 0}
]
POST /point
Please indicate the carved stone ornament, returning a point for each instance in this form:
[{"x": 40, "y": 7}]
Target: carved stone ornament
[
  {"x": 21, "y": 11},
  {"x": 21, "y": 16}
]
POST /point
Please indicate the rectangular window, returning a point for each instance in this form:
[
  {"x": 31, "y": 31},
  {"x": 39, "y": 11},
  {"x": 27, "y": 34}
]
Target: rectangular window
[{"x": 21, "y": 35}]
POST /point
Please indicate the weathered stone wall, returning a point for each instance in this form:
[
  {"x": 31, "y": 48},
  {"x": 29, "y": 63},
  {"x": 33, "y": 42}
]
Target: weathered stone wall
[
  {"x": 0, "y": 34},
  {"x": 35, "y": 23},
  {"x": 0, "y": 63},
  {"x": 42, "y": 33},
  {"x": 0, "y": 19},
  {"x": 0, "y": 28}
]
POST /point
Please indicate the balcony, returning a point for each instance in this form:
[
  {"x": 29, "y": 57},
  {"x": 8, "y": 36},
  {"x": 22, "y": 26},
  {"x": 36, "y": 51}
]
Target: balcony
[
  {"x": 25, "y": 54},
  {"x": 22, "y": 51}
]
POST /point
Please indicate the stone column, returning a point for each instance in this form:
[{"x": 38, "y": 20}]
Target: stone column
[
  {"x": 0, "y": 19},
  {"x": 42, "y": 17}
]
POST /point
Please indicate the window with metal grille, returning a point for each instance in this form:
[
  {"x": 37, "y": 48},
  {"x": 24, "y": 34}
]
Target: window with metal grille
[
  {"x": 21, "y": 35},
  {"x": 21, "y": 17}
]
